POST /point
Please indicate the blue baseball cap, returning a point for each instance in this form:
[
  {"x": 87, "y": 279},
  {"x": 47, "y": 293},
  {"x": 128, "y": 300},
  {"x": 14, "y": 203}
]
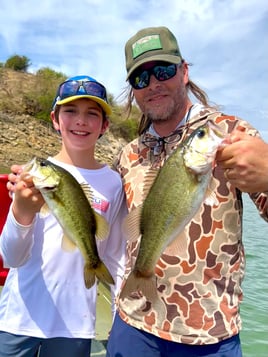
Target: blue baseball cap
[{"x": 82, "y": 87}]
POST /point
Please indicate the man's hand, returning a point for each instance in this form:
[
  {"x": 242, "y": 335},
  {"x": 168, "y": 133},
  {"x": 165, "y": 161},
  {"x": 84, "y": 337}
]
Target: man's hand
[{"x": 245, "y": 161}]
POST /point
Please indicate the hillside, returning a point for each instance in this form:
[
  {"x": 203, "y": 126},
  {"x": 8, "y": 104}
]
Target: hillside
[{"x": 22, "y": 136}]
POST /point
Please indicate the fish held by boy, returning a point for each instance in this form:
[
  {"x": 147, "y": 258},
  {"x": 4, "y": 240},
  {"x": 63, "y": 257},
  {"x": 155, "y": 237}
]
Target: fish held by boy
[
  {"x": 69, "y": 202},
  {"x": 175, "y": 193}
]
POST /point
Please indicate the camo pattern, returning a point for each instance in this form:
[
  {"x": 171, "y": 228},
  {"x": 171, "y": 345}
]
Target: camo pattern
[{"x": 199, "y": 291}]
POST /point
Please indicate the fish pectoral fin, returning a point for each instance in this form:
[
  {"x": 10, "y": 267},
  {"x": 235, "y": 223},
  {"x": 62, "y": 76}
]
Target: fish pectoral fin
[
  {"x": 103, "y": 228},
  {"x": 131, "y": 224},
  {"x": 44, "y": 211},
  {"x": 67, "y": 245}
]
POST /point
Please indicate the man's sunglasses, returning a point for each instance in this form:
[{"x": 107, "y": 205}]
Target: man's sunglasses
[
  {"x": 140, "y": 78},
  {"x": 70, "y": 88}
]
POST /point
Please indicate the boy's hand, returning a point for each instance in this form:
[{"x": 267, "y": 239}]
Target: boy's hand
[{"x": 27, "y": 200}]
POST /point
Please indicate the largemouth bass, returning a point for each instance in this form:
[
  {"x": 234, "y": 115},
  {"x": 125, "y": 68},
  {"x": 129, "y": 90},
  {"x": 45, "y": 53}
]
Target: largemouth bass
[
  {"x": 175, "y": 194},
  {"x": 69, "y": 202}
]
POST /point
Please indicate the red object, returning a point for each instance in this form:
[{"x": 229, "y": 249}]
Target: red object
[{"x": 5, "y": 201}]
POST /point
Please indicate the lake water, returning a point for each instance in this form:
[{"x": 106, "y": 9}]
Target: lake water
[{"x": 254, "y": 309}]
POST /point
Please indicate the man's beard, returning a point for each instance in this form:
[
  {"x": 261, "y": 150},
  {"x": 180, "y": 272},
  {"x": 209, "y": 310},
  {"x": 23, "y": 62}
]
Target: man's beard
[{"x": 162, "y": 114}]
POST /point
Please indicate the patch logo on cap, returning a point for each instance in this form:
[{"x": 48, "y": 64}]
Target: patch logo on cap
[{"x": 145, "y": 44}]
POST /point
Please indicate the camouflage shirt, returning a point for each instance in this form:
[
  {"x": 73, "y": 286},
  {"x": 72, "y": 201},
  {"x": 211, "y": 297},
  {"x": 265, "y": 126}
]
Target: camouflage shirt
[{"x": 198, "y": 291}]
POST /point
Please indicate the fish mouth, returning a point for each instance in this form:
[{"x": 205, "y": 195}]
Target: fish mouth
[
  {"x": 30, "y": 169},
  {"x": 49, "y": 188},
  {"x": 199, "y": 152},
  {"x": 30, "y": 165}
]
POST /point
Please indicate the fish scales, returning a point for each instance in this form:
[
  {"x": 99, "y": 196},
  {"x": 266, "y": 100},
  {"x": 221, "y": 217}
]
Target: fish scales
[
  {"x": 172, "y": 199},
  {"x": 175, "y": 195},
  {"x": 67, "y": 201}
]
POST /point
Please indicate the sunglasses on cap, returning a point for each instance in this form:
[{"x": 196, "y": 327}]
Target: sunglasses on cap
[
  {"x": 73, "y": 87},
  {"x": 140, "y": 78}
]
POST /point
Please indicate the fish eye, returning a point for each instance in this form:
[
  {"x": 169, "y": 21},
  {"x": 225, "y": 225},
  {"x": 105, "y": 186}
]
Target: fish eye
[
  {"x": 43, "y": 163},
  {"x": 201, "y": 133}
]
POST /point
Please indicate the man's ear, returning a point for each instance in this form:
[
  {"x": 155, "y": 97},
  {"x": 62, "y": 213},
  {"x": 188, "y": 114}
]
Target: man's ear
[{"x": 185, "y": 72}]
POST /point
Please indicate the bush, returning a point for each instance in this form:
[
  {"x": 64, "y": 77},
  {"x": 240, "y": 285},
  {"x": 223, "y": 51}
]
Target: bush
[
  {"x": 39, "y": 100},
  {"x": 18, "y": 63},
  {"x": 122, "y": 126}
]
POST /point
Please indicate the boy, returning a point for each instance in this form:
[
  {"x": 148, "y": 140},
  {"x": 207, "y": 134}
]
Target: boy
[{"x": 44, "y": 302}]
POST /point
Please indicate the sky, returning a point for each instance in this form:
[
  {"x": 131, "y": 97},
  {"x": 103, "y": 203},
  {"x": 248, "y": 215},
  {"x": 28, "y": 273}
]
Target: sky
[{"x": 226, "y": 41}]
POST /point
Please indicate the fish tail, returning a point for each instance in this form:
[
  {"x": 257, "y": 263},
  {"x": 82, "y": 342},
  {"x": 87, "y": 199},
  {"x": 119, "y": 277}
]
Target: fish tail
[
  {"x": 89, "y": 276},
  {"x": 136, "y": 291},
  {"x": 103, "y": 274},
  {"x": 100, "y": 272}
]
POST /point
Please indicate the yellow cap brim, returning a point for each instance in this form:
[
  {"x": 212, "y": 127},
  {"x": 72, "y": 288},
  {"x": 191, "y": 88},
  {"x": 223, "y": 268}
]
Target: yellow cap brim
[{"x": 106, "y": 107}]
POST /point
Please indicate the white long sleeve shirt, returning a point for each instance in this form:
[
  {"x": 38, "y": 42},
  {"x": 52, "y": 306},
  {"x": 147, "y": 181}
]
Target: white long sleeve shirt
[{"x": 44, "y": 294}]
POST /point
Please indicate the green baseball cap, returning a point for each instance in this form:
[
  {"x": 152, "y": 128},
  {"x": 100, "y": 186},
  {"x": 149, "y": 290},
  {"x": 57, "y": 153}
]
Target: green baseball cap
[{"x": 151, "y": 44}]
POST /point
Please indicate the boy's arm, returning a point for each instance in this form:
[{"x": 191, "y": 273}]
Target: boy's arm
[{"x": 17, "y": 235}]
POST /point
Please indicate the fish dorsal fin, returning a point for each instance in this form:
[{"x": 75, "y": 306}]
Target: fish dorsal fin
[
  {"x": 67, "y": 244},
  {"x": 131, "y": 224},
  {"x": 103, "y": 228},
  {"x": 87, "y": 191},
  {"x": 149, "y": 178},
  {"x": 44, "y": 211}
]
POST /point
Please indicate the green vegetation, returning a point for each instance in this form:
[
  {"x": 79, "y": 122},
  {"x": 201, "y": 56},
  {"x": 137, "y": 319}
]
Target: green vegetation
[
  {"x": 39, "y": 100},
  {"x": 18, "y": 63},
  {"x": 33, "y": 94}
]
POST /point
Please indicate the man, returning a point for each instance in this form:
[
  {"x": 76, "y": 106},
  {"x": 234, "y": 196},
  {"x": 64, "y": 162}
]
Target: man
[{"x": 196, "y": 309}]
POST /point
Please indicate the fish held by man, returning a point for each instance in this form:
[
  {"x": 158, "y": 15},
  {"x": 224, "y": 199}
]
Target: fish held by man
[
  {"x": 69, "y": 202},
  {"x": 173, "y": 195}
]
